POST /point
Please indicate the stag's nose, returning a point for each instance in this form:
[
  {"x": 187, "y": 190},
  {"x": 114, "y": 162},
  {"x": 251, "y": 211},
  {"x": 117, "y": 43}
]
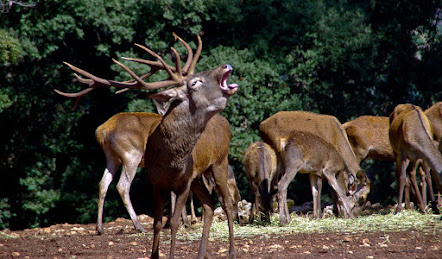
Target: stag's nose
[{"x": 228, "y": 67}]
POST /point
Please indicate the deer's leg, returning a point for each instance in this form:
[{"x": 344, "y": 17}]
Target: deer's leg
[
  {"x": 181, "y": 198},
  {"x": 220, "y": 177},
  {"x": 160, "y": 197},
  {"x": 342, "y": 195},
  {"x": 193, "y": 217},
  {"x": 401, "y": 165},
  {"x": 411, "y": 171},
  {"x": 253, "y": 207},
  {"x": 433, "y": 201},
  {"x": 423, "y": 184},
  {"x": 127, "y": 175},
  {"x": 208, "y": 204},
  {"x": 316, "y": 186},
  {"x": 289, "y": 174},
  {"x": 111, "y": 168}
]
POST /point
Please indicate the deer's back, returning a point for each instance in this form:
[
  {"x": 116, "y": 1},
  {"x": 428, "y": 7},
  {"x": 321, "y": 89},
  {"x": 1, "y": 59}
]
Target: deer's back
[
  {"x": 126, "y": 132},
  {"x": 311, "y": 152},
  {"x": 369, "y": 135},
  {"x": 326, "y": 127}
]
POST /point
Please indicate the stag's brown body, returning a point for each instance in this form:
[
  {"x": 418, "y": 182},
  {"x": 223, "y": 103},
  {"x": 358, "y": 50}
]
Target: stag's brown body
[
  {"x": 193, "y": 103},
  {"x": 324, "y": 126},
  {"x": 307, "y": 153},
  {"x": 411, "y": 138},
  {"x": 368, "y": 136},
  {"x": 260, "y": 164},
  {"x": 123, "y": 139}
]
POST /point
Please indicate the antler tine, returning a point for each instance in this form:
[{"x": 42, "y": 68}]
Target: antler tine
[
  {"x": 173, "y": 76},
  {"x": 177, "y": 63},
  {"x": 197, "y": 56},
  {"x": 140, "y": 84},
  {"x": 189, "y": 51}
]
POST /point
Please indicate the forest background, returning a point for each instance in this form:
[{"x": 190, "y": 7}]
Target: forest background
[{"x": 344, "y": 58}]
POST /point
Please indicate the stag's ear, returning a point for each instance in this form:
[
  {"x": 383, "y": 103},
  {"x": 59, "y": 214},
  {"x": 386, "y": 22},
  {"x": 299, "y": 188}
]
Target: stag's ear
[
  {"x": 161, "y": 107},
  {"x": 169, "y": 95}
]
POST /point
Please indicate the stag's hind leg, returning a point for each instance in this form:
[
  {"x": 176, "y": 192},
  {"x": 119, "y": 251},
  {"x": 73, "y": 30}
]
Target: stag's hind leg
[
  {"x": 220, "y": 176},
  {"x": 112, "y": 165},
  {"x": 127, "y": 176}
]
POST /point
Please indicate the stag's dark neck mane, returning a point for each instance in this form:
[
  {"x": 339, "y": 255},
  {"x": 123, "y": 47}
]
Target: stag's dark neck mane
[{"x": 170, "y": 146}]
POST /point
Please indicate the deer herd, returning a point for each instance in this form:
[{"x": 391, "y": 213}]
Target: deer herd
[{"x": 185, "y": 148}]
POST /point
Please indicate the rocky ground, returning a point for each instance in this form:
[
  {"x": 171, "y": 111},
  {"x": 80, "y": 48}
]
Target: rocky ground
[{"x": 120, "y": 240}]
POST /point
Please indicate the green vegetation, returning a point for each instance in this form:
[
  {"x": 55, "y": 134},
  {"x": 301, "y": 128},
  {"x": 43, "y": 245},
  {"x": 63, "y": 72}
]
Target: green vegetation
[{"x": 344, "y": 58}]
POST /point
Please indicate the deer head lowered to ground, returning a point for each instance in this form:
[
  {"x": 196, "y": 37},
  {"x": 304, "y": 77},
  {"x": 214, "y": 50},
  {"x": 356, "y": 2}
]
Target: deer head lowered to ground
[
  {"x": 260, "y": 164},
  {"x": 304, "y": 152},
  {"x": 193, "y": 103},
  {"x": 274, "y": 128},
  {"x": 368, "y": 136},
  {"x": 411, "y": 137}
]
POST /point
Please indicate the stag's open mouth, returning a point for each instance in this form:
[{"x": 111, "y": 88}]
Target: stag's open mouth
[{"x": 228, "y": 89}]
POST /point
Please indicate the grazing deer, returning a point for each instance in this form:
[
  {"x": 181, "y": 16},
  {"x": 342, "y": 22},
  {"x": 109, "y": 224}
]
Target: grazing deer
[
  {"x": 274, "y": 128},
  {"x": 411, "y": 137},
  {"x": 260, "y": 164},
  {"x": 169, "y": 148},
  {"x": 123, "y": 139},
  {"x": 305, "y": 152},
  {"x": 368, "y": 137}
]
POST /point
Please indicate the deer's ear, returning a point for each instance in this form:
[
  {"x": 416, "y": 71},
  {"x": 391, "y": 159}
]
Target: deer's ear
[{"x": 169, "y": 95}]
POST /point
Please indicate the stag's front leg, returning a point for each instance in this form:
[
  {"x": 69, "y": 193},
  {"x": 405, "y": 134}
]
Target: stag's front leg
[
  {"x": 160, "y": 197},
  {"x": 201, "y": 192},
  {"x": 181, "y": 198}
]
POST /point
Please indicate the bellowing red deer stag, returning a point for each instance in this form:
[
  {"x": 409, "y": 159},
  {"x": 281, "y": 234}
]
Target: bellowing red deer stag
[
  {"x": 411, "y": 137},
  {"x": 308, "y": 153},
  {"x": 123, "y": 139},
  {"x": 260, "y": 164},
  {"x": 169, "y": 148},
  {"x": 274, "y": 128}
]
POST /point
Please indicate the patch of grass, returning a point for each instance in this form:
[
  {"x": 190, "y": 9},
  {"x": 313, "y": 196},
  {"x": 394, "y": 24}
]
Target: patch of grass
[{"x": 298, "y": 224}]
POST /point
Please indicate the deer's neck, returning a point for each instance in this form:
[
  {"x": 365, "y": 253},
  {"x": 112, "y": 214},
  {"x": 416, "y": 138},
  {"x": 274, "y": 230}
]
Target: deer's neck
[{"x": 176, "y": 136}]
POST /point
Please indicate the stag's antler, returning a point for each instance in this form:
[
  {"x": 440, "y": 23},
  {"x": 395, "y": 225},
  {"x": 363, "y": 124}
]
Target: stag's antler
[{"x": 177, "y": 75}]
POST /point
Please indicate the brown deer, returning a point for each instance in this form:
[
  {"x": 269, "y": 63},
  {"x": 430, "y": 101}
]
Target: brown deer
[
  {"x": 260, "y": 165},
  {"x": 123, "y": 139},
  {"x": 305, "y": 152},
  {"x": 368, "y": 137},
  {"x": 169, "y": 148},
  {"x": 411, "y": 137},
  {"x": 274, "y": 128}
]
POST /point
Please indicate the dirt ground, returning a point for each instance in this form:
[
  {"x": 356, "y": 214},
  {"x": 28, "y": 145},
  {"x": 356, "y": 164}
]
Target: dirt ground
[{"x": 120, "y": 240}]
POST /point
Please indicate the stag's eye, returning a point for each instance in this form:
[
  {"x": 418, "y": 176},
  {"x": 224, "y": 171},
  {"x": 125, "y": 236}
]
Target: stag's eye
[{"x": 196, "y": 82}]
